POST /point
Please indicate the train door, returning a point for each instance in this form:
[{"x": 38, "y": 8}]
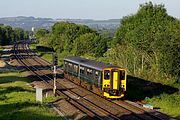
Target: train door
[{"x": 115, "y": 80}]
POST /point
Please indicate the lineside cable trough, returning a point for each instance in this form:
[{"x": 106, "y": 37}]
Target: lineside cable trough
[{"x": 148, "y": 106}]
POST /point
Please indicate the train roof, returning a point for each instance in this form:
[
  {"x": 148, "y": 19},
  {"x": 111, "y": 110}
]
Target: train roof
[{"x": 89, "y": 63}]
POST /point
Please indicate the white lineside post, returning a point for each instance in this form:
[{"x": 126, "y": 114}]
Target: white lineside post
[
  {"x": 54, "y": 88},
  {"x": 39, "y": 95}
]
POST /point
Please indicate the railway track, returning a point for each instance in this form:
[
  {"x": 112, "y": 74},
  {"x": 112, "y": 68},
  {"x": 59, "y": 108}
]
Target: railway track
[
  {"x": 89, "y": 103},
  {"x": 90, "y": 109}
]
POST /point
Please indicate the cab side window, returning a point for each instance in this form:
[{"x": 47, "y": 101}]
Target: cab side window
[
  {"x": 106, "y": 74},
  {"x": 96, "y": 75}
]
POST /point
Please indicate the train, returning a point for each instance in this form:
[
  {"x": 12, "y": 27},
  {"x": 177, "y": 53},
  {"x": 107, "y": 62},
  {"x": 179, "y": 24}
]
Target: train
[{"x": 106, "y": 80}]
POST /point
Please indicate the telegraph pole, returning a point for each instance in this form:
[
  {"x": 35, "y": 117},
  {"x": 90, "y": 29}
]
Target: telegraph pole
[{"x": 55, "y": 63}]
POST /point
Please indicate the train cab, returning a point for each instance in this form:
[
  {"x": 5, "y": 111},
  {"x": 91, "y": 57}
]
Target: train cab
[{"x": 114, "y": 82}]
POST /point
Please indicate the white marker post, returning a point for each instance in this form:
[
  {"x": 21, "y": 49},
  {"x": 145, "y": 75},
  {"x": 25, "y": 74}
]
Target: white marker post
[
  {"x": 55, "y": 63},
  {"x": 39, "y": 95},
  {"x": 54, "y": 89}
]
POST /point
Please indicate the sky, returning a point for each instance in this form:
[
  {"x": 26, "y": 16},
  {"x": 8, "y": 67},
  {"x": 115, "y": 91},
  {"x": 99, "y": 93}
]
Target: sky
[{"x": 80, "y": 9}]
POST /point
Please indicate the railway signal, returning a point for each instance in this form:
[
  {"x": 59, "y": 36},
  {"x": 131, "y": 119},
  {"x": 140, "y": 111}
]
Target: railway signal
[{"x": 55, "y": 59}]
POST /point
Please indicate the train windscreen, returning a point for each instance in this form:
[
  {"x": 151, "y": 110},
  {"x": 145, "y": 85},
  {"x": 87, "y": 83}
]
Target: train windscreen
[{"x": 122, "y": 75}]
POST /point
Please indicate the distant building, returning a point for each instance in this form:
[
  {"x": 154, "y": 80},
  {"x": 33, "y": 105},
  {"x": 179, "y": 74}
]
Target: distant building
[{"x": 32, "y": 29}]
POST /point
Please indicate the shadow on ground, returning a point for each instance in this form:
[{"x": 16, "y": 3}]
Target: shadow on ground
[
  {"x": 138, "y": 89},
  {"x": 14, "y": 89},
  {"x": 20, "y": 111},
  {"x": 24, "y": 110},
  {"x": 9, "y": 79}
]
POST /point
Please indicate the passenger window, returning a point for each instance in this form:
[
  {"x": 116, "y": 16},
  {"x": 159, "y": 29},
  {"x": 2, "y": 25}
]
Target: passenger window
[
  {"x": 122, "y": 75},
  {"x": 65, "y": 64},
  {"x": 70, "y": 65},
  {"x": 82, "y": 70},
  {"x": 106, "y": 74},
  {"x": 75, "y": 68},
  {"x": 89, "y": 72}
]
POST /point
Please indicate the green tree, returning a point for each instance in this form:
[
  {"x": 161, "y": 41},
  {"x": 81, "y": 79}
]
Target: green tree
[
  {"x": 154, "y": 32},
  {"x": 19, "y": 34},
  {"x": 41, "y": 33},
  {"x": 8, "y": 35},
  {"x": 74, "y": 39},
  {"x": 67, "y": 33}
]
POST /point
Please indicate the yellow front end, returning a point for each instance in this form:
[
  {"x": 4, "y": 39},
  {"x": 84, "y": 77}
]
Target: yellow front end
[{"x": 114, "y": 82}]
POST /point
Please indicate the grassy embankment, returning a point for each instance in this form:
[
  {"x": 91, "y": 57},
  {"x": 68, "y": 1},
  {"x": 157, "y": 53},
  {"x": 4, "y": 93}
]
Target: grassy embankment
[
  {"x": 17, "y": 99},
  {"x": 162, "y": 93}
]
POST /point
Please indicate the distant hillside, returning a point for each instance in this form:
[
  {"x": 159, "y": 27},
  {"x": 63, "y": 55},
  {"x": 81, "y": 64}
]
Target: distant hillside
[
  {"x": 28, "y": 22},
  {"x": 98, "y": 24}
]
